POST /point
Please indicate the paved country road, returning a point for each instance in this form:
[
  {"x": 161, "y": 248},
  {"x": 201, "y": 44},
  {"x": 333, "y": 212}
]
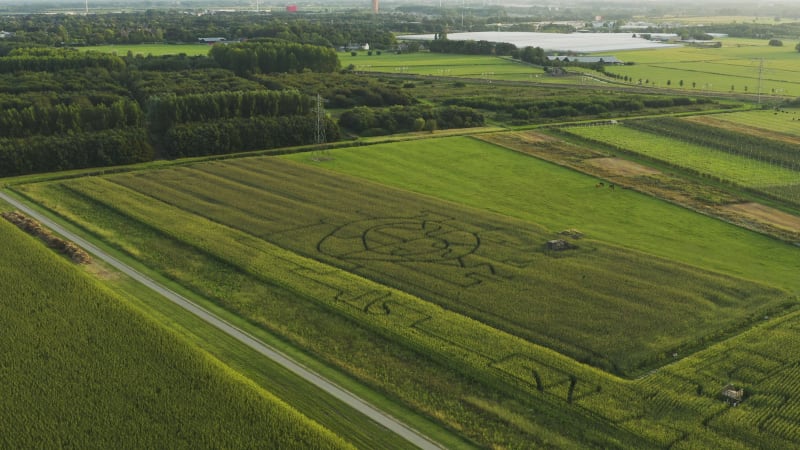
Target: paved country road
[{"x": 343, "y": 395}]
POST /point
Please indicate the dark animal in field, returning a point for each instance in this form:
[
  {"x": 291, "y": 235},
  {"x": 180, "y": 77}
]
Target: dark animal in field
[
  {"x": 599, "y": 185},
  {"x": 611, "y": 186}
]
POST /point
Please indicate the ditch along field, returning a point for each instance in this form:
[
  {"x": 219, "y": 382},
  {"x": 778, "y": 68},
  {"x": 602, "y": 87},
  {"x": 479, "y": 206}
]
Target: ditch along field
[
  {"x": 759, "y": 163},
  {"x": 386, "y": 284},
  {"x": 82, "y": 368},
  {"x": 737, "y": 66}
]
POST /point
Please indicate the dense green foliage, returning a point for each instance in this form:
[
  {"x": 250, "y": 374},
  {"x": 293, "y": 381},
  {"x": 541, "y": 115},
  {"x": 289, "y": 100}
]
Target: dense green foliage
[
  {"x": 222, "y": 136},
  {"x": 396, "y": 119},
  {"x": 471, "y": 47},
  {"x": 274, "y": 57},
  {"x": 83, "y": 369},
  {"x": 52, "y": 60},
  {"x": 74, "y": 151},
  {"x": 165, "y": 111}
]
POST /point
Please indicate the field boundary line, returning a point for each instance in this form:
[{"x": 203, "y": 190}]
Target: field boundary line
[{"x": 240, "y": 335}]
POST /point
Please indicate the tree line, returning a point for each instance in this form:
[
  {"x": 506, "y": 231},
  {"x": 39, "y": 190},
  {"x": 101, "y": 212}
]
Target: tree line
[
  {"x": 274, "y": 57},
  {"x": 168, "y": 110}
]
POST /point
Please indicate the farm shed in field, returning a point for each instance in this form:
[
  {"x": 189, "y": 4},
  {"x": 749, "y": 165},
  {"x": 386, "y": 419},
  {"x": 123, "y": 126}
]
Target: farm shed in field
[
  {"x": 211, "y": 40},
  {"x": 732, "y": 395}
]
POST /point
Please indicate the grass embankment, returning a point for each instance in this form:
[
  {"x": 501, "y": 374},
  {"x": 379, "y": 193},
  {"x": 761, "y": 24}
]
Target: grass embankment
[{"x": 84, "y": 369}]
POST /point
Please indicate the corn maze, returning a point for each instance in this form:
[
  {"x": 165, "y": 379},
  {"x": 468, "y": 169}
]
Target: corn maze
[{"x": 478, "y": 292}]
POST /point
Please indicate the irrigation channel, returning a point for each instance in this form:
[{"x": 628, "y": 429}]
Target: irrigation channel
[{"x": 306, "y": 374}]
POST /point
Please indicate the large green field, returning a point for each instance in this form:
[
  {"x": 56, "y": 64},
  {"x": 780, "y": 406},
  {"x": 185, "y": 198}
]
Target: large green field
[
  {"x": 82, "y": 368},
  {"x": 740, "y": 65}
]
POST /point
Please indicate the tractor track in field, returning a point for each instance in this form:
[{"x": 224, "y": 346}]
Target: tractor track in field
[{"x": 242, "y": 336}]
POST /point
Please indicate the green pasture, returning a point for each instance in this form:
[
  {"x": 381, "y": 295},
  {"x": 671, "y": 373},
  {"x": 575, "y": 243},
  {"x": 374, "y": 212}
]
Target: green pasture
[
  {"x": 784, "y": 121},
  {"x": 722, "y": 165},
  {"x": 83, "y": 368},
  {"x": 446, "y": 65},
  {"x": 738, "y": 64},
  {"x": 152, "y": 49}
]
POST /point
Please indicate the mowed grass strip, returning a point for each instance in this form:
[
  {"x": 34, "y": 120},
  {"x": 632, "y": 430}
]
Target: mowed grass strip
[
  {"x": 84, "y": 369},
  {"x": 484, "y": 266}
]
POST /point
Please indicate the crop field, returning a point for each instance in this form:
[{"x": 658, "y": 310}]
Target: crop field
[
  {"x": 736, "y": 66},
  {"x": 785, "y": 121},
  {"x": 248, "y": 231},
  {"x": 152, "y": 49},
  {"x": 745, "y": 169},
  {"x": 82, "y": 368}
]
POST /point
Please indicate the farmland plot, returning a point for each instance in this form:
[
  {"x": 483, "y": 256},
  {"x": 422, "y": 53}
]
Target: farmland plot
[
  {"x": 781, "y": 181},
  {"x": 83, "y": 368},
  {"x": 218, "y": 224},
  {"x": 484, "y": 266}
]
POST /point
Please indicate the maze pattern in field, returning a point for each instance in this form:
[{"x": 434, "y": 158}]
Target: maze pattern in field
[
  {"x": 485, "y": 266},
  {"x": 663, "y": 408}
]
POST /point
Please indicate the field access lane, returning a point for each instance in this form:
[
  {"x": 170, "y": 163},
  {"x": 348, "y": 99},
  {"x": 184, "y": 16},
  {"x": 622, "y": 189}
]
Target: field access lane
[{"x": 317, "y": 380}]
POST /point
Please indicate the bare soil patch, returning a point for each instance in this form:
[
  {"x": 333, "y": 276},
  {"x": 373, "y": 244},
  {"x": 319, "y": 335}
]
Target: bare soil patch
[
  {"x": 621, "y": 167},
  {"x": 768, "y": 215},
  {"x": 101, "y": 272}
]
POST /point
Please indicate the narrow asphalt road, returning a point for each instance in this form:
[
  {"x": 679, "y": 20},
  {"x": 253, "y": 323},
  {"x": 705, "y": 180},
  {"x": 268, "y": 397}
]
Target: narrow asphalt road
[{"x": 343, "y": 395}]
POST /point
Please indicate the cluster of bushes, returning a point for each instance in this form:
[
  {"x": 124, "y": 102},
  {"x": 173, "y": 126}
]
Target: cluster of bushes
[{"x": 396, "y": 119}]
